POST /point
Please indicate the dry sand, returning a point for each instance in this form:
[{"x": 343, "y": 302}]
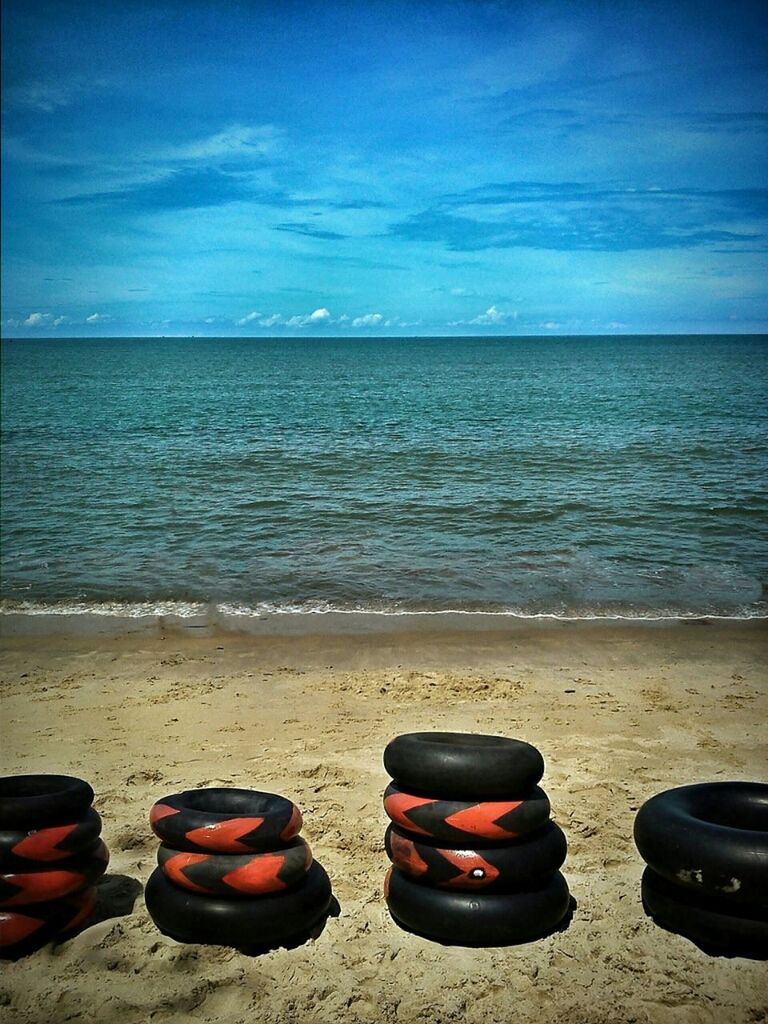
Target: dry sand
[{"x": 620, "y": 713}]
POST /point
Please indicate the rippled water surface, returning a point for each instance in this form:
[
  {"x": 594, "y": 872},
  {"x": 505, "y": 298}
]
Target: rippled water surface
[{"x": 564, "y": 476}]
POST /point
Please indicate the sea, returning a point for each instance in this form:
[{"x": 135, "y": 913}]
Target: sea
[{"x": 567, "y": 477}]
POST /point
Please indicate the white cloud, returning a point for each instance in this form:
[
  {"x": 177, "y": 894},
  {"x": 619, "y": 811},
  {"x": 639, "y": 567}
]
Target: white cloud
[
  {"x": 368, "y": 320},
  {"x": 316, "y": 319},
  {"x": 493, "y": 315},
  {"x": 60, "y": 320},
  {"x": 551, "y": 325},
  {"x": 39, "y": 96},
  {"x": 36, "y": 320},
  {"x": 272, "y": 320},
  {"x": 247, "y": 319},
  {"x": 236, "y": 140},
  {"x": 97, "y": 318}
]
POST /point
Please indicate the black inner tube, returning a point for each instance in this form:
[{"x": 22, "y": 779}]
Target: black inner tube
[
  {"x": 703, "y": 837},
  {"x": 37, "y": 801}
]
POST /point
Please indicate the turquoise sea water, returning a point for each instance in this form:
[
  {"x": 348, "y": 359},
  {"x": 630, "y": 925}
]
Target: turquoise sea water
[{"x": 568, "y": 476}]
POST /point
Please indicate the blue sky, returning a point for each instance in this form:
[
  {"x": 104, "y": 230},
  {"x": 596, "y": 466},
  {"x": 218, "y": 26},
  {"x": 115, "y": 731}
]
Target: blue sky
[{"x": 375, "y": 168}]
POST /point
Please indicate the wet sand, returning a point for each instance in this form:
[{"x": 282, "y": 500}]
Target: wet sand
[{"x": 620, "y": 712}]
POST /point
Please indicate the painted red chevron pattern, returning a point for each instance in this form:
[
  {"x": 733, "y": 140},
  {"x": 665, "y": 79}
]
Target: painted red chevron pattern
[
  {"x": 405, "y": 856},
  {"x": 397, "y": 805},
  {"x": 224, "y": 836},
  {"x": 294, "y": 825},
  {"x": 46, "y": 921},
  {"x": 476, "y": 872},
  {"x": 249, "y": 875},
  {"x": 481, "y": 819},
  {"x": 15, "y": 927},
  {"x": 159, "y": 811},
  {"x": 259, "y": 876},
  {"x": 44, "y": 844},
  {"x": 174, "y": 868},
  {"x": 20, "y": 888}
]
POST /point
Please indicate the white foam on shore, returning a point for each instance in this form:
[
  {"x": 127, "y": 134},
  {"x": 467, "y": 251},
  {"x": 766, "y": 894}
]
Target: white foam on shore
[{"x": 213, "y": 613}]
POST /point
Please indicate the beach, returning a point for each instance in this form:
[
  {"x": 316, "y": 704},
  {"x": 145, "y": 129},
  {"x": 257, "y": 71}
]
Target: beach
[{"x": 620, "y": 711}]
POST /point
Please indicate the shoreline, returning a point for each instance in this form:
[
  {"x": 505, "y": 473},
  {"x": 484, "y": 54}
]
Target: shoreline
[{"x": 212, "y": 622}]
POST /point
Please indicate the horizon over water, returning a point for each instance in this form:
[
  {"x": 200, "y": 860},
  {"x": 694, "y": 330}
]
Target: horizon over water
[{"x": 219, "y": 477}]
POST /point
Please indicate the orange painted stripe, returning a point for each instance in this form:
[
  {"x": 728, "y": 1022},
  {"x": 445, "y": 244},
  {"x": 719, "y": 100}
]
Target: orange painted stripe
[
  {"x": 223, "y": 836},
  {"x": 173, "y": 868},
  {"x": 16, "y": 927},
  {"x": 294, "y": 825},
  {"x": 480, "y": 820},
  {"x": 397, "y": 804},
  {"x": 41, "y": 845},
  {"x": 405, "y": 856},
  {"x": 258, "y": 875}
]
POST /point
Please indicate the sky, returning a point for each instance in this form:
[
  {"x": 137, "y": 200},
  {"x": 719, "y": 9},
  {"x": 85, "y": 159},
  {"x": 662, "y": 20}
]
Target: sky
[{"x": 410, "y": 168}]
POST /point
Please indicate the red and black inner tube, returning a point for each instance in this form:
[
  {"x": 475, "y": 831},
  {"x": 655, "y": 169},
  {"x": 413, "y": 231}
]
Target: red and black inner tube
[
  {"x": 461, "y": 821},
  {"x": 246, "y": 875},
  {"x": 225, "y": 821},
  {"x": 28, "y": 929},
  {"x": 20, "y": 849},
  {"x": 509, "y": 867},
  {"x": 40, "y": 801},
  {"x": 20, "y": 888}
]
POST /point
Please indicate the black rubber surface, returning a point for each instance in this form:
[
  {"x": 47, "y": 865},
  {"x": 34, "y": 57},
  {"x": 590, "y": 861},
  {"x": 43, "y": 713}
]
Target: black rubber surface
[
  {"x": 463, "y": 766},
  {"x": 715, "y": 923},
  {"x": 261, "y": 922},
  {"x": 520, "y": 864},
  {"x": 710, "y": 837},
  {"x": 40, "y": 801},
  {"x": 477, "y": 919}
]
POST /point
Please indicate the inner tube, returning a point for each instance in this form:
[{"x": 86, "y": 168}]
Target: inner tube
[
  {"x": 461, "y": 821},
  {"x": 258, "y": 923},
  {"x": 521, "y": 864},
  {"x": 463, "y": 766},
  {"x": 477, "y": 919},
  {"x": 711, "y": 837},
  {"x": 25, "y": 848},
  {"x": 225, "y": 821},
  {"x": 24, "y": 931},
  {"x": 21, "y": 888},
  {"x": 247, "y": 875},
  {"x": 39, "y": 801},
  {"x": 715, "y": 923}
]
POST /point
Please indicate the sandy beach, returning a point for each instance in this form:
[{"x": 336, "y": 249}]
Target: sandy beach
[{"x": 620, "y": 712}]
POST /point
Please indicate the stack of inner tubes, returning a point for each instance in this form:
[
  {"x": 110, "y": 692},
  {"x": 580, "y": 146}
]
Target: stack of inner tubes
[
  {"x": 706, "y": 847},
  {"x": 51, "y": 856},
  {"x": 233, "y": 870},
  {"x": 475, "y": 857}
]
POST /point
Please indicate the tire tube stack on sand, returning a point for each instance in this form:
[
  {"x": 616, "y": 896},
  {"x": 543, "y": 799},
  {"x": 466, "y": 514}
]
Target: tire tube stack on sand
[
  {"x": 706, "y": 847},
  {"x": 51, "y": 856},
  {"x": 233, "y": 871},
  {"x": 475, "y": 856}
]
